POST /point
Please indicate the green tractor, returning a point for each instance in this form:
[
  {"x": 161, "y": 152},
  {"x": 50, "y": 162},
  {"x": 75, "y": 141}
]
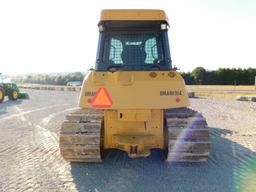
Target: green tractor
[{"x": 11, "y": 90}]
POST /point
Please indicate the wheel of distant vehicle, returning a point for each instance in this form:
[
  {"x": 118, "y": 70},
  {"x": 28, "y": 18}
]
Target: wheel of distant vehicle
[
  {"x": 1, "y": 94},
  {"x": 13, "y": 95}
]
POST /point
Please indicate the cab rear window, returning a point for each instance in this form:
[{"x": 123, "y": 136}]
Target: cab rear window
[{"x": 133, "y": 49}]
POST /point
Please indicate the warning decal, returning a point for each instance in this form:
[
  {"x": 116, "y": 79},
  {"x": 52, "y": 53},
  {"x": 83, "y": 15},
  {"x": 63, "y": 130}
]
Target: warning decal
[{"x": 101, "y": 99}]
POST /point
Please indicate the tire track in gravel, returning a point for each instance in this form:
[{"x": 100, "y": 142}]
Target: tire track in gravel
[
  {"x": 45, "y": 121},
  {"x": 39, "y": 166},
  {"x": 240, "y": 119},
  {"x": 28, "y": 112}
]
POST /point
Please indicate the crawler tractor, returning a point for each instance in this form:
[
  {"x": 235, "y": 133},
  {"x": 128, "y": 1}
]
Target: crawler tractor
[{"x": 134, "y": 100}]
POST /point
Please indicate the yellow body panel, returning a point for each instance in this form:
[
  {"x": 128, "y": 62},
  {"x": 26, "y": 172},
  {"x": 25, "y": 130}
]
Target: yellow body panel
[
  {"x": 133, "y": 15},
  {"x": 133, "y": 113},
  {"x": 141, "y": 129},
  {"x": 136, "y": 89}
]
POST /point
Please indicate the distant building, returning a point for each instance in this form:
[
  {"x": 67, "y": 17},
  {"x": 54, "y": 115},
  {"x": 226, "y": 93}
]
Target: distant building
[{"x": 74, "y": 83}]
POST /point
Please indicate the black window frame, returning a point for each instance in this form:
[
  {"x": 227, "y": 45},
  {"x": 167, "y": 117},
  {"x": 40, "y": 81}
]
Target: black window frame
[{"x": 166, "y": 63}]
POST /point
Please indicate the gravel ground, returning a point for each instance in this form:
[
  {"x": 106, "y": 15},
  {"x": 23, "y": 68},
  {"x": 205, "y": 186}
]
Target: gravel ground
[{"x": 30, "y": 159}]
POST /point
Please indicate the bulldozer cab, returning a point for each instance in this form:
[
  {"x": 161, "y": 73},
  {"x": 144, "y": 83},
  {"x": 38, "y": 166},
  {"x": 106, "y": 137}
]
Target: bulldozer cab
[{"x": 133, "y": 45}]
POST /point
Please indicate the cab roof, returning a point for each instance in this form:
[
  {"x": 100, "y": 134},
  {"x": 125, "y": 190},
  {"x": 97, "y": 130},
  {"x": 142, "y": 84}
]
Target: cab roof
[{"x": 133, "y": 15}]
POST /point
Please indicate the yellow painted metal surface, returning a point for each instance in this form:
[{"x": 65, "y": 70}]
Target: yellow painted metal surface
[
  {"x": 133, "y": 14},
  {"x": 134, "y": 115},
  {"x": 134, "y": 131},
  {"x": 135, "y": 89}
]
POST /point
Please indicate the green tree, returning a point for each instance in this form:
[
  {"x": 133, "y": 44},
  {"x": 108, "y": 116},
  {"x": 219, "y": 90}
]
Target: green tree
[{"x": 199, "y": 74}]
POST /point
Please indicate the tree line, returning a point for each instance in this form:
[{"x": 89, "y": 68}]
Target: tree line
[
  {"x": 199, "y": 76},
  {"x": 50, "y": 79},
  {"x": 221, "y": 76}
]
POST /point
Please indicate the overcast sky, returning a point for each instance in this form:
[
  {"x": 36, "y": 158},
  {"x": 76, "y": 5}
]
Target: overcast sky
[{"x": 61, "y": 36}]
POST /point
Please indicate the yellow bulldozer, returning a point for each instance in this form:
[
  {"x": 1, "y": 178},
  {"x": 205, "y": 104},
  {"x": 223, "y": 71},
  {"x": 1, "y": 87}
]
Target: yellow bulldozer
[{"x": 134, "y": 100}]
